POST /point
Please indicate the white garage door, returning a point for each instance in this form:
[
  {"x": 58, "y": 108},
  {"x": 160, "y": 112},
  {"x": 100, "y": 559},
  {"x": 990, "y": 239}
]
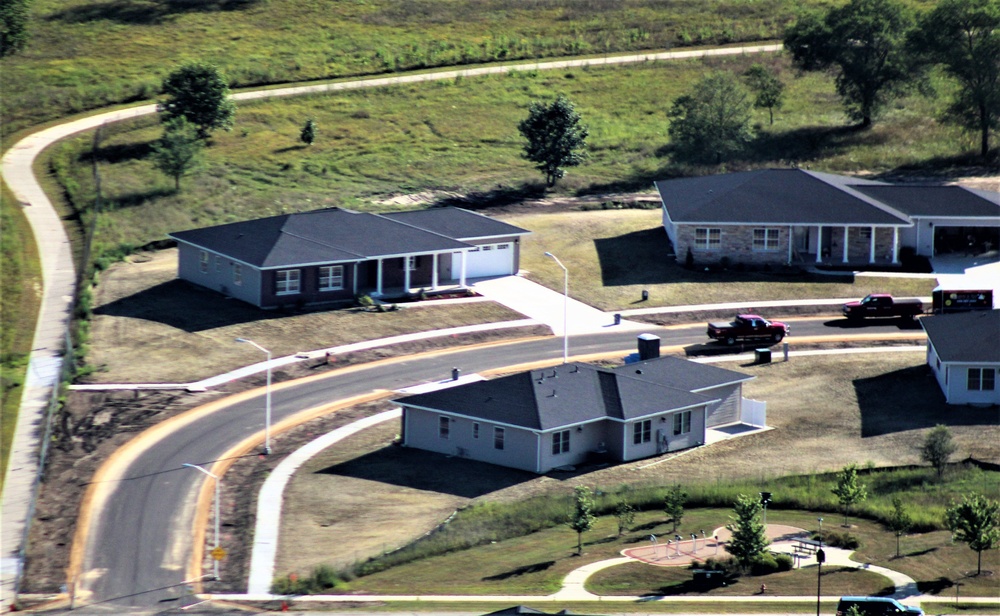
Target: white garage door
[{"x": 490, "y": 260}]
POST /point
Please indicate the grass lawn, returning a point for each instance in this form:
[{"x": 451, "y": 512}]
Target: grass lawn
[
  {"x": 460, "y": 137},
  {"x": 89, "y": 53},
  {"x": 20, "y": 294},
  {"x": 613, "y": 255}
]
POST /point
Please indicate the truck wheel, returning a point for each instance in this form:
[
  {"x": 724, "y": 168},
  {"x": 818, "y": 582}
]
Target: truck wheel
[
  {"x": 778, "y": 336},
  {"x": 730, "y": 341}
]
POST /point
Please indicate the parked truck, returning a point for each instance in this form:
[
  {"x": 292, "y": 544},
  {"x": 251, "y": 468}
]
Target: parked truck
[
  {"x": 883, "y": 305},
  {"x": 747, "y": 327}
]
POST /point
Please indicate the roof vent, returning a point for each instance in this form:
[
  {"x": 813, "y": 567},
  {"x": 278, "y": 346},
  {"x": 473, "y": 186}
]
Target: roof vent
[
  {"x": 575, "y": 369},
  {"x": 554, "y": 374},
  {"x": 553, "y": 394},
  {"x": 638, "y": 371}
]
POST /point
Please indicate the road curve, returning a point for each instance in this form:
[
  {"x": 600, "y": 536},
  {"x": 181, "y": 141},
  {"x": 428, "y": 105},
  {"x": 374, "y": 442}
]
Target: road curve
[
  {"x": 59, "y": 274},
  {"x": 135, "y": 549}
]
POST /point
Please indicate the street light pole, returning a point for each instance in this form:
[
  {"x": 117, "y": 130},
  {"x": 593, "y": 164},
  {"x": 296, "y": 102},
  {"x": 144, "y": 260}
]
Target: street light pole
[
  {"x": 217, "y": 480},
  {"x": 267, "y": 404},
  {"x": 565, "y": 306}
]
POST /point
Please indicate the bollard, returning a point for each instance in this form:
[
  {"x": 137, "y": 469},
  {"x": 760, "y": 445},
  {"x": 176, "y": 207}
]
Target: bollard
[
  {"x": 645, "y": 295},
  {"x": 784, "y": 349},
  {"x": 618, "y": 319},
  {"x": 455, "y": 372}
]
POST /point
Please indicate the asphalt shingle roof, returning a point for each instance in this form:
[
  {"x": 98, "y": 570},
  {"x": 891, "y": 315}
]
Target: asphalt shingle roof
[
  {"x": 937, "y": 200},
  {"x": 972, "y": 337},
  {"x": 456, "y": 223},
  {"x": 563, "y": 396},
  {"x": 775, "y": 196},
  {"x": 333, "y": 235}
]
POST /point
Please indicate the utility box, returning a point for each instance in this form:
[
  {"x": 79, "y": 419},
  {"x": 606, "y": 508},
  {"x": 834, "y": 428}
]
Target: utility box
[
  {"x": 762, "y": 356},
  {"x": 649, "y": 346}
]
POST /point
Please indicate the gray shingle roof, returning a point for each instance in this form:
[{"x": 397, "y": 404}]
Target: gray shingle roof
[
  {"x": 682, "y": 374},
  {"x": 323, "y": 236},
  {"x": 965, "y": 337},
  {"x": 775, "y": 196},
  {"x": 563, "y": 396},
  {"x": 937, "y": 200},
  {"x": 457, "y": 223}
]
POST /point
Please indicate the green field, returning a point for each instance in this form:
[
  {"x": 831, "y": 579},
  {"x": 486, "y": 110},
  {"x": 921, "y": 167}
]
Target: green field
[{"x": 85, "y": 54}]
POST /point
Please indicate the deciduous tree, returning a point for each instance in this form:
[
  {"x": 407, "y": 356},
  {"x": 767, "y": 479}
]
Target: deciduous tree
[
  {"x": 963, "y": 36},
  {"x": 899, "y": 520},
  {"x": 937, "y": 448},
  {"x": 673, "y": 505},
  {"x": 308, "y": 134},
  {"x": 748, "y": 539},
  {"x": 198, "y": 92},
  {"x": 583, "y": 514},
  {"x": 864, "y": 42},
  {"x": 13, "y": 26},
  {"x": 712, "y": 121},
  {"x": 849, "y": 490},
  {"x": 178, "y": 151},
  {"x": 976, "y": 521},
  {"x": 768, "y": 89},
  {"x": 556, "y": 137},
  {"x": 625, "y": 515}
]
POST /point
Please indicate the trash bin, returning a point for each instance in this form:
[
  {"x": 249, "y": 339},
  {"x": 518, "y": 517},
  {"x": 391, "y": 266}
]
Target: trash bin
[
  {"x": 618, "y": 319},
  {"x": 762, "y": 356}
]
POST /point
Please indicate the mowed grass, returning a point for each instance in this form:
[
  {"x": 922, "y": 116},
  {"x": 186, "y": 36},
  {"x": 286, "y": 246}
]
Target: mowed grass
[
  {"x": 89, "y": 53},
  {"x": 20, "y": 296},
  {"x": 460, "y": 136},
  {"x": 614, "y": 255}
]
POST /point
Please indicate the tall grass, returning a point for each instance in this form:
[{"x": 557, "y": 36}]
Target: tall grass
[{"x": 924, "y": 496}]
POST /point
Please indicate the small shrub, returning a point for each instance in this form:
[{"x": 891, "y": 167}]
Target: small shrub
[
  {"x": 689, "y": 259},
  {"x": 764, "y": 564},
  {"x": 840, "y": 539},
  {"x": 785, "y": 562},
  {"x": 365, "y": 301},
  {"x": 724, "y": 263}
]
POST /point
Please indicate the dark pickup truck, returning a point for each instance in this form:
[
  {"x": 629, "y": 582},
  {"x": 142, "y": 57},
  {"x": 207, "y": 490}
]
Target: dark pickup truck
[
  {"x": 747, "y": 327},
  {"x": 883, "y": 305}
]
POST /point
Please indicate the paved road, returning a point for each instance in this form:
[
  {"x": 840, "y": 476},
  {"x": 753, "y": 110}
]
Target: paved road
[{"x": 139, "y": 540}]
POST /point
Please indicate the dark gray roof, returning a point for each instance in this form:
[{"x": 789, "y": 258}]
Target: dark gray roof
[
  {"x": 321, "y": 236},
  {"x": 457, "y": 223},
  {"x": 682, "y": 374},
  {"x": 559, "y": 397},
  {"x": 972, "y": 337},
  {"x": 775, "y": 196},
  {"x": 956, "y": 201}
]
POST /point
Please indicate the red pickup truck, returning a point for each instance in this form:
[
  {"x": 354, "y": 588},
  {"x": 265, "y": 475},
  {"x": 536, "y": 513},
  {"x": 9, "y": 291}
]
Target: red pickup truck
[
  {"x": 748, "y": 327},
  {"x": 883, "y": 305}
]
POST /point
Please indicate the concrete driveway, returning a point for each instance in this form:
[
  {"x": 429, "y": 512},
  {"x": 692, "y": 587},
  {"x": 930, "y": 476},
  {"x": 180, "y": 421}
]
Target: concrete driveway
[{"x": 545, "y": 305}]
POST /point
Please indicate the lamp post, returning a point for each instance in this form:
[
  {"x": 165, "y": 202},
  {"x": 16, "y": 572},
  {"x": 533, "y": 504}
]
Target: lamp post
[
  {"x": 565, "y": 306},
  {"x": 217, "y": 480},
  {"x": 820, "y": 559},
  {"x": 267, "y": 403}
]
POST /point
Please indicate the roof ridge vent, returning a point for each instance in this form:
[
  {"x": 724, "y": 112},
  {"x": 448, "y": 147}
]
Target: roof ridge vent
[{"x": 553, "y": 394}]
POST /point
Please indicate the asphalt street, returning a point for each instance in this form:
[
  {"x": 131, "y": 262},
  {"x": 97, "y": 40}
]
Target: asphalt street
[{"x": 139, "y": 543}]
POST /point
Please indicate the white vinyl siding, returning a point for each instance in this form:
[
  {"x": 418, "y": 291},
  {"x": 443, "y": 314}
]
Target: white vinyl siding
[
  {"x": 286, "y": 282},
  {"x": 707, "y": 238},
  {"x": 331, "y": 278}
]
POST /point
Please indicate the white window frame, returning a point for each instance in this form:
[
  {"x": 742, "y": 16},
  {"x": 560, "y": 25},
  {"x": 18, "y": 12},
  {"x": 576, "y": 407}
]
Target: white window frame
[
  {"x": 237, "y": 274},
  {"x": 560, "y": 442},
  {"x": 475, "y": 429},
  {"x": 331, "y": 277},
  {"x": 288, "y": 282},
  {"x": 642, "y": 431},
  {"x": 203, "y": 261},
  {"x": 982, "y": 378},
  {"x": 218, "y": 263},
  {"x": 766, "y": 239},
  {"x": 708, "y": 238},
  {"x": 682, "y": 423},
  {"x": 499, "y": 438},
  {"x": 444, "y": 427}
]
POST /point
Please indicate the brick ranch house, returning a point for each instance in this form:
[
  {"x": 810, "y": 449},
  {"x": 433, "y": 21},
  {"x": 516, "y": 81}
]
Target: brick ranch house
[
  {"x": 788, "y": 216},
  {"x": 540, "y": 420},
  {"x": 334, "y": 255}
]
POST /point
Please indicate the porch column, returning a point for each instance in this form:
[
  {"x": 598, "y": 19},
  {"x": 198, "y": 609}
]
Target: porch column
[
  {"x": 895, "y": 245},
  {"x": 871, "y": 247},
  {"x": 354, "y": 279},
  {"x": 461, "y": 279},
  {"x": 434, "y": 271},
  {"x": 790, "y": 236},
  {"x": 847, "y": 231},
  {"x": 406, "y": 274},
  {"x": 819, "y": 244},
  {"x": 378, "y": 278}
]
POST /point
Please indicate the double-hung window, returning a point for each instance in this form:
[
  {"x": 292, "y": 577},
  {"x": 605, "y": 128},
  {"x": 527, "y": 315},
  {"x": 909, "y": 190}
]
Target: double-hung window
[
  {"x": 560, "y": 442},
  {"x": 765, "y": 239},
  {"x": 475, "y": 429},
  {"x": 444, "y": 427},
  {"x": 331, "y": 278},
  {"x": 287, "y": 282},
  {"x": 498, "y": 438},
  {"x": 642, "y": 431},
  {"x": 237, "y": 274},
  {"x": 982, "y": 379},
  {"x": 682, "y": 423},
  {"x": 203, "y": 262},
  {"x": 707, "y": 238}
]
